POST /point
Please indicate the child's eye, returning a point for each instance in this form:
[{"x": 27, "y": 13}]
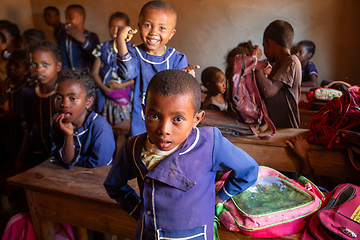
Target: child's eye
[
  {"x": 147, "y": 25},
  {"x": 72, "y": 98},
  {"x": 46, "y": 64},
  {"x": 162, "y": 28},
  {"x": 57, "y": 98},
  {"x": 178, "y": 119},
  {"x": 33, "y": 65},
  {"x": 112, "y": 27},
  {"x": 153, "y": 116}
]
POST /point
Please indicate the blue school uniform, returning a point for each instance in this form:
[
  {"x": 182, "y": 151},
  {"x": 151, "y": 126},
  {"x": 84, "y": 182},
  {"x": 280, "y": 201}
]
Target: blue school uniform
[
  {"x": 141, "y": 66},
  {"x": 308, "y": 70},
  {"x": 76, "y": 55},
  {"x": 94, "y": 143},
  {"x": 177, "y": 196}
]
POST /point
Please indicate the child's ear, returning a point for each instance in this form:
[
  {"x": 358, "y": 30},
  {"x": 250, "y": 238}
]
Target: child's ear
[
  {"x": 89, "y": 102},
  {"x": 198, "y": 117},
  {"x": 58, "y": 66},
  {"x": 172, "y": 33}
]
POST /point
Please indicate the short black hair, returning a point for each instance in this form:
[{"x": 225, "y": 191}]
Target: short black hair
[
  {"x": 2, "y": 37},
  {"x": 12, "y": 29},
  {"x": 82, "y": 77},
  {"x": 120, "y": 15},
  {"x": 33, "y": 35},
  {"x": 176, "y": 82},
  {"x": 310, "y": 46},
  {"x": 77, "y": 7},
  {"x": 52, "y": 8},
  {"x": 208, "y": 73},
  {"x": 158, "y": 5},
  {"x": 280, "y": 32},
  {"x": 47, "y": 46}
]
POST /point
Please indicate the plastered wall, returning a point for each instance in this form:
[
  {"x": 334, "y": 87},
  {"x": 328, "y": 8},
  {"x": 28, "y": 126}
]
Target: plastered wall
[{"x": 208, "y": 29}]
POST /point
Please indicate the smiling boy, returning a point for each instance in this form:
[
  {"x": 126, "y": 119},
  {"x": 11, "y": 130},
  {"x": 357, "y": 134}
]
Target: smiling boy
[
  {"x": 157, "y": 22},
  {"x": 175, "y": 164}
]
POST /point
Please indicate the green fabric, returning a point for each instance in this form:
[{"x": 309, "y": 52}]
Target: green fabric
[{"x": 219, "y": 209}]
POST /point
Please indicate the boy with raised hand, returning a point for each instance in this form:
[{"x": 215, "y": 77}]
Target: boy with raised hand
[
  {"x": 175, "y": 164},
  {"x": 76, "y": 43},
  {"x": 281, "y": 89},
  {"x": 157, "y": 22}
]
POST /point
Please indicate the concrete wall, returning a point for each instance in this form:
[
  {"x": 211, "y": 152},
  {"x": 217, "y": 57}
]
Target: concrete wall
[{"x": 208, "y": 29}]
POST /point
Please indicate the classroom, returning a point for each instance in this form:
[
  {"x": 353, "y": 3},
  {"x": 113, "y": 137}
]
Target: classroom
[{"x": 206, "y": 30}]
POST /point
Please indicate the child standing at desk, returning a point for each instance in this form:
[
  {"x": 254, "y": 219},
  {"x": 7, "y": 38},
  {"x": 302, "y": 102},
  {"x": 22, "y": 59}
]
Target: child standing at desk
[
  {"x": 157, "y": 23},
  {"x": 175, "y": 164},
  {"x": 80, "y": 136},
  {"x": 76, "y": 43},
  {"x": 113, "y": 95},
  {"x": 281, "y": 89}
]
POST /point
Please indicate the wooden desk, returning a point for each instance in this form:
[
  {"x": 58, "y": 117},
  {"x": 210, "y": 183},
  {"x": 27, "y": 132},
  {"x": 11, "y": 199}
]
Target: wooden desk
[
  {"x": 275, "y": 153},
  {"x": 305, "y": 117},
  {"x": 77, "y": 197}
]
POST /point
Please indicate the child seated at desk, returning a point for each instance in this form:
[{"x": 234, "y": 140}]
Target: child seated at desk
[
  {"x": 305, "y": 50},
  {"x": 175, "y": 164},
  {"x": 80, "y": 136},
  {"x": 214, "y": 81}
]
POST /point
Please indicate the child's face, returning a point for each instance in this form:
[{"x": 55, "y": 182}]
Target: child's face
[
  {"x": 72, "y": 102},
  {"x": 302, "y": 53},
  {"x": 157, "y": 26},
  {"x": 51, "y": 18},
  {"x": 44, "y": 67},
  {"x": 74, "y": 17},
  {"x": 16, "y": 69},
  {"x": 169, "y": 120},
  {"x": 115, "y": 23},
  {"x": 217, "y": 83}
]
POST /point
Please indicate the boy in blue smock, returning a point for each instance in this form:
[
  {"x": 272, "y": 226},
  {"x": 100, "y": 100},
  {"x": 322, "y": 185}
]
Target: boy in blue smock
[
  {"x": 75, "y": 42},
  {"x": 175, "y": 164},
  {"x": 157, "y": 23}
]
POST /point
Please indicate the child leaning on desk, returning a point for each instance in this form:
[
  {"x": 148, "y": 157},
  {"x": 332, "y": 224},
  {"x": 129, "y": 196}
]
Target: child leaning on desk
[
  {"x": 80, "y": 136},
  {"x": 157, "y": 22},
  {"x": 175, "y": 164}
]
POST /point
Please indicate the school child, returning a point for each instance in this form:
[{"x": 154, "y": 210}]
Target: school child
[
  {"x": 76, "y": 43},
  {"x": 305, "y": 50},
  {"x": 281, "y": 89},
  {"x": 52, "y": 19},
  {"x": 2, "y": 59},
  {"x": 157, "y": 21},
  {"x": 12, "y": 34},
  {"x": 214, "y": 80},
  {"x": 11, "y": 122},
  {"x": 38, "y": 104},
  {"x": 30, "y": 37},
  {"x": 175, "y": 164},
  {"x": 113, "y": 95},
  {"x": 80, "y": 136}
]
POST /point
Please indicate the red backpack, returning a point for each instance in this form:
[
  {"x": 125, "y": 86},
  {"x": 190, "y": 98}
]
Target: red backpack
[
  {"x": 339, "y": 113},
  {"x": 243, "y": 94}
]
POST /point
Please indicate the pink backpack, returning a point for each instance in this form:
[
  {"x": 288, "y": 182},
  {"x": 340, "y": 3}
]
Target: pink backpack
[
  {"x": 339, "y": 113},
  {"x": 274, "y": 206},
  {"x": 340, "y": 218},
  {"x": 243, "y": 94}
]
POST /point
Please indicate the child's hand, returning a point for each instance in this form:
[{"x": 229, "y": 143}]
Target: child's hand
[
  {"x": 122, "y": 33},
  {"x": 347, "y": 136},
  {"x": 76, "y": 33},
  {"x": 67, "y": 128},
  {"x": 113, "y": 85},
  {"x": 299, "y": 145},
  {"x": 191, "y": 69},
  {"x": 259, "y": 53},
  {"x": 267, "y": 70}
]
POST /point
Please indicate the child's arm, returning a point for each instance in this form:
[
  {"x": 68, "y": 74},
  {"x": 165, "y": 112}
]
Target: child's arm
[
  {"x": 347, "y": 137},
  {"x": 119, "y": 86},
  {"x": 116, "y": 182},
  {"x": 311, "y": 83},
  {"x": 95, "y": 74},
  {"x": 191, "y": 69},
  {"x": 226, "y": 156},
  {"x": 88, "y": 42},
  {"x": 267, "y": 86},
  {"x": 120, "y": 40},
  {"x": 76, "y": 33},
  {"x": 67, "y": 129},
  {"x": 300, "y": 146}
]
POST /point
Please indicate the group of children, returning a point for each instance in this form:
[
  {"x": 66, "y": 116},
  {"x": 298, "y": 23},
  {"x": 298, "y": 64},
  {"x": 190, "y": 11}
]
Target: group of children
[{"x": 174, "y": 162}]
